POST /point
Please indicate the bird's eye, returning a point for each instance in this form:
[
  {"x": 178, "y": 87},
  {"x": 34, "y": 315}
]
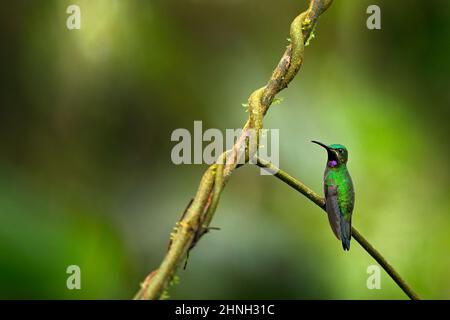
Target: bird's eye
[{"x": 340, "y": 150}]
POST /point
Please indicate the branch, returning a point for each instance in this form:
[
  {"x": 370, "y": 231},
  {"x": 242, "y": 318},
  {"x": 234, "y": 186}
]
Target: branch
[
  {"x": 195, "y": 221},
  {"x": 314, "y": 197}
]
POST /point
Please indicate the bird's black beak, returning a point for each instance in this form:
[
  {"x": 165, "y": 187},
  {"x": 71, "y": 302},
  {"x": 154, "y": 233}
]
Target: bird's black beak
[
  {"x": 321, "y": 144},
  {"x": 331, "y": 154}
]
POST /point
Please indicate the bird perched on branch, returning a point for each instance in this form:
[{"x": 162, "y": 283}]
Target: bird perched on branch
[{"x": 339, "y": 192}]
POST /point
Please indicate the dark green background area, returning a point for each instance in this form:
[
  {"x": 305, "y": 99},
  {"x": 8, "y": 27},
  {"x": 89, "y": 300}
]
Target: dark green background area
[{"x": 86, "y": 176}]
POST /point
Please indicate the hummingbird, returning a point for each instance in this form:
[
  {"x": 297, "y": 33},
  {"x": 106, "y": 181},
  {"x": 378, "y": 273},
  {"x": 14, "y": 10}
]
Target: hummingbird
[{"x": 339, "y": 192}]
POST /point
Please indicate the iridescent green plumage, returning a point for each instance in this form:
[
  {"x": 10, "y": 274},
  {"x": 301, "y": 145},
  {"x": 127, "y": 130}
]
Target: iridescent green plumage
[{"x": 339, "y": 192}]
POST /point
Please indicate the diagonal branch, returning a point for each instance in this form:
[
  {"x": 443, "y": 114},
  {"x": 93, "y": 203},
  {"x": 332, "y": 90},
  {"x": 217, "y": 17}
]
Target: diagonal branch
[
  {"x": 314, "y": 197},
  {"x": 195, "y": 222}
]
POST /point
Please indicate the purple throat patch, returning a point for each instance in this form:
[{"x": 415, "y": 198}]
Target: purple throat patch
[{"x": 332, "y": 163}]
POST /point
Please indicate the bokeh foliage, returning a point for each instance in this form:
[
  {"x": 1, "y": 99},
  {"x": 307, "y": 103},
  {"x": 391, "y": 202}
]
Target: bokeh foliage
[{"x": 85, "y": 124}]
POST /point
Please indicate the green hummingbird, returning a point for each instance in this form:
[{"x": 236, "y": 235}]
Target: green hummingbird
[{"x": 339, "y": 192}]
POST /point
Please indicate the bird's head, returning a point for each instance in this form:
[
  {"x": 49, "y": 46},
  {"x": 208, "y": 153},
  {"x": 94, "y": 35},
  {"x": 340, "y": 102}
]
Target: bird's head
[{"x": 337, "y": 153}]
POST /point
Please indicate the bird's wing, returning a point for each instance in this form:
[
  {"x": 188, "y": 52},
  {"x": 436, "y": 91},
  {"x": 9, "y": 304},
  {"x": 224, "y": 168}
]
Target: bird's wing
[{"x": 333, "y": 210}]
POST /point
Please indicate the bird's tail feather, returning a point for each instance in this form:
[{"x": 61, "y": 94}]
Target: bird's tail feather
[{"x": 346, "y": 233}]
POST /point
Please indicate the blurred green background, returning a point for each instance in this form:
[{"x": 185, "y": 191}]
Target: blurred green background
[{"x": 86, "y": 176}]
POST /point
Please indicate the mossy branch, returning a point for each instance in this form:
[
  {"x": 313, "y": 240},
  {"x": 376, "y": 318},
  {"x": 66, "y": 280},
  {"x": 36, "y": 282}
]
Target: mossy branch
[{"x": 195, "y": 221}]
